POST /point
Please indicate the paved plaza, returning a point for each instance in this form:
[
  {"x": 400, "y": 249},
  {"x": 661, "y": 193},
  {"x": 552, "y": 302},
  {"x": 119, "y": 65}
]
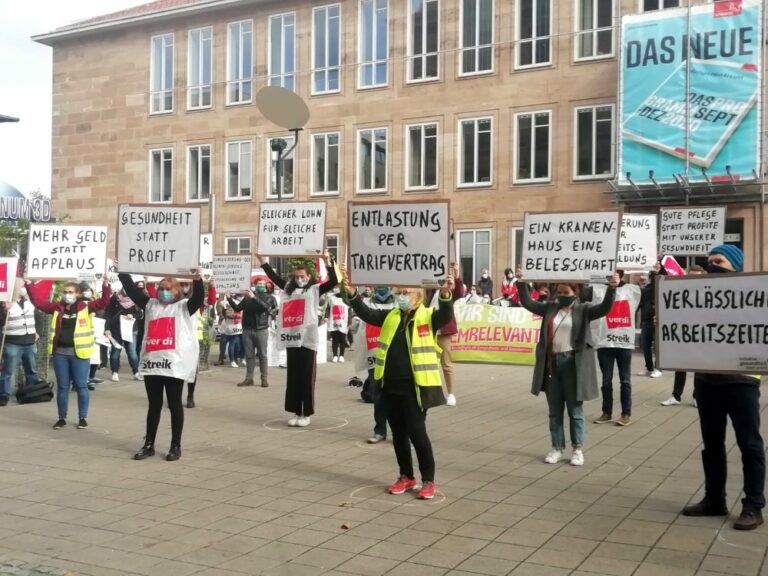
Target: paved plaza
[{"x": 253, "y": 496}]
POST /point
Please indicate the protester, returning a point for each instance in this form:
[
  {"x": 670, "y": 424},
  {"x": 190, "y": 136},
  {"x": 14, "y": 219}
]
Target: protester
[
  {"x": 221, "y": 306},
  {"x": 445, "y": 334},
  {"x": 406, "y": 364},
  {"x": 140, "y": 285},
  {"x": 231, "y": 329},
  {"x": 614, "y": 337},
  {"x": 485, "y": 284},
  {"x": 257, "y": 307},
  {"x": 122, "y": 308},
  {"x": 338, "y": 325},
  {"x": 170, "y": 354},
  {"x": 297, "y": 331},
  {"x": 507, "y": 285},
  {"x": 100, "y": 353},
  {"x": 201, "y": 327},
  {"x": 718, "y": 397},
  {"x": 647, "y": 321},
  {"x": 18, "y": 317},
  {"x": 543, "y": 291},
  {"x": 565, "y": 365},
  {"x": 70, "y": 343}
]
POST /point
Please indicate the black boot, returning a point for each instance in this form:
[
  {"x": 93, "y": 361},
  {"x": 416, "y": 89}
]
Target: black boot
[
  {"x": 190, "y": 401},
  {"x": 146, "y": 451},
  {"x": 706, "y": 508},
  {"x": 174, "y": 453}
]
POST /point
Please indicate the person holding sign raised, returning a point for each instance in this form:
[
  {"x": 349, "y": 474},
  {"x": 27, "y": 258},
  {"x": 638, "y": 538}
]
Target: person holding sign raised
[
  {"x": 297, "y": 332},
  {"x": 408, "y": 367},
  {"x": 170, "y": 353},
  {"x": 566, "y": 368},
  {"x": 257, "y": 307}
]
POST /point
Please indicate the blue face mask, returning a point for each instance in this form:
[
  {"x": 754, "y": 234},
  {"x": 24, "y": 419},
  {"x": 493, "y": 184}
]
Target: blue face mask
[
  {"x": 403, "y": 302},
  {"x": 165, "y": 296},
  {"x": 382, "y": 294}
]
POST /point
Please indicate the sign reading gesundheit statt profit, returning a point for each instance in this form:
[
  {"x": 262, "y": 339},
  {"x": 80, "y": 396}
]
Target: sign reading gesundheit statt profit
[{"x": 690, "y": 93}]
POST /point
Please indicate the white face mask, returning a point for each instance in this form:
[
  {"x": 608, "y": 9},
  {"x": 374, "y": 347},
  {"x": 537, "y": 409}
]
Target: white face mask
[
  {"x": 88, "y": 294},
  {"x": 69, "y": 298},
  {"x": 23, "y": 292},
  {"x": 485, "y": 276},
  {"x": 185, "y": 289},
  {"x": 302, "y": 283}
]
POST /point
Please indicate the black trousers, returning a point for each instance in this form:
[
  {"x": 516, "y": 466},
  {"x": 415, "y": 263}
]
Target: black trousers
[
  {"x": 173, "y": 389},
  {"x": 338, "y": 342},
  {"x": 408, "y": 423},
  {"x": 679, "y": 386},
  {"x": 300, "y": 381},
  {"x": 716, "y": 402}
]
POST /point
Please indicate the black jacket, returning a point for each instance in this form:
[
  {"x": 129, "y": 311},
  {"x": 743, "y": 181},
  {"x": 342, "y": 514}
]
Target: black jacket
[
  {"x": 486, "y": 286},
  {"x": 113, "y": 313},
  {"x": 648, "y": 298},
  {"x": 256, "y": 311}
]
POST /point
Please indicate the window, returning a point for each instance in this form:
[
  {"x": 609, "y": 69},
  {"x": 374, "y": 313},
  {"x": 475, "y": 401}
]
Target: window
[
  {"x": 534, "y": 25},
  {"x": 161, "y": 175},
  {"x": 476, "y": 53},
  {"x": 474, "y": 254},
  {"x": 238, "y": 170},
  {"x": 650, "y": 5},
  {"x": 532, "y": 151},
  {"x": 332, "y": 245},
  {"x": 161, "y": 75},
  {"x": 372, "y": 160},
  {"x": 282, "y": 51},
  {"x": 288, "y": 167},
  {"x": 516, "y": 234},
  {"x": 594, "y": 27},
  {"x": 239, "y": 245},
  {"x": 374, "y": 43},
  {"x": 326, "y": 49},
  {"x": 423, "y": 40},
  {"x": 240, "y": 62},
  {"x": 475, "y": 152},
  {"x": 199, "y": 172},
  {"x": 594, "y": 142},
  {"x": 421, "y": 156},
  {"x": 199, "y": 68},
  {"x": 325, "y": 163}
]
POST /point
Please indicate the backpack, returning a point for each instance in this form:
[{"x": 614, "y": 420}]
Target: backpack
[
  {"x": 34, "y": 393},
  {"x": 368, "y": 392}
]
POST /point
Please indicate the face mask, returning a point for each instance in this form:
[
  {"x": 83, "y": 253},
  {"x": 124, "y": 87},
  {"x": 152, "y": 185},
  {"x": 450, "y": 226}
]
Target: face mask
[
  {"x": 715, "y": 269},
  {"x": 261, "y": 289},
  {"x": 485, "y": 276},
  {"x": 185, "y": 289},
  {"x": 543, "y": 296},
  {"x": 23, "y": 292},
  {"x": 564, "y": 301},
  {"x": 510, "y": 276},
  {"x": 403, "y": 302},
  {"x": 301, "y": 283},
  {"x": 335, "y": 290},
  {"x": 165, "y": 296},
  {"x": 69, "y": 298},
  {"x": 88, "y": 294},
  {"x": 366, "y": 293}
]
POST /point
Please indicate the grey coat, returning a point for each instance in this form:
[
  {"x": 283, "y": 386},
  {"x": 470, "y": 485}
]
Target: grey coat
[{"x": 585, "y": 356}]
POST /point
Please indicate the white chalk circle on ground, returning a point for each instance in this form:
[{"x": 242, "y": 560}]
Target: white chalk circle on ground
[
  {"x": 378, "y": 492},
  {"x": 281, "y": 424}
]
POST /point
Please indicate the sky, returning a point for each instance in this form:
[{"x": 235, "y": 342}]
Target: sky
[{"x": 25, "y": 84}]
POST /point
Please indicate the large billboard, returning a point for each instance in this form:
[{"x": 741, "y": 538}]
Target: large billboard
[{"x": 690, "y": 88}]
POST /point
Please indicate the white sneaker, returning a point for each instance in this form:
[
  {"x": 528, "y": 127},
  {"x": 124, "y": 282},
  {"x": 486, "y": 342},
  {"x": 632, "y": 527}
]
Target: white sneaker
[
  {"x": 294, "y": 421},
  {"x": 303, "y": 421},
  {"x": 341, "y": 359},
  {"x": 138, "y": 376},
  {"x": 335, "y": 359},
  {"x": 578, "y": 458},
  {"x": 694, "y": 403},
  {"x": 115, "y": 377},
  {"x": 242, "y": 363},
  {"x": 656, "y": 374},
  {"x": 235, "y": 365},
  {"x": 553, "y": 456},
  {"x": 671, "y": 401},
  {"x": 644, "y": 373},
  {"x": 451, "y": 400}
]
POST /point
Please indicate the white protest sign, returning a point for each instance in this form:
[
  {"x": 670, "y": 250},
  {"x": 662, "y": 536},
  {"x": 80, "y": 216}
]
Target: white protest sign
[
  {"x": 291, "y": 228},
  {"x": 232, "y": 273},
  {"x": 713, "y": 323},
  {"x": 7, "y": 278},
  {"x": 206, "y": 252},
  {"x": 691, "y": 231},
  {"x": 571, "y": 246},
  {"x": 158, "y": 240},
  {"x": 67, "y": 252},
  {"x": 637, "y": 242},
  {"x": 398, "y": 243}
]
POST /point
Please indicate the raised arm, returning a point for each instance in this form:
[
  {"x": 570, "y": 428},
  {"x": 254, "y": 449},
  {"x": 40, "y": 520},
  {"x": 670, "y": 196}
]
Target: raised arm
[
  {"x": 272, "y": 275},
  {"x": 524, "y": 292},
  {"x": 444, "y": 313},
  {"x": 197, "y": 300},
  {"x": 368, "y": 315},
  {"x": 333, "y": 278},
  {"x": 139, "y": 297},
  {"x": 103, "y": 302},
  {"x": 38, "y": 295},
  {"x": 599, "y": 310}
]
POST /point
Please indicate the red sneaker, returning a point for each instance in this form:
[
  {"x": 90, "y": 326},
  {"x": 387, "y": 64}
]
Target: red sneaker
[
  {"x": 403, "y": 483},
  {"x": 427, "y": 491}
]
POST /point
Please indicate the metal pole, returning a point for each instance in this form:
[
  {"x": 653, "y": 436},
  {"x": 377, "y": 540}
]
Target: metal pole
[{"x": 279, "y": 174}]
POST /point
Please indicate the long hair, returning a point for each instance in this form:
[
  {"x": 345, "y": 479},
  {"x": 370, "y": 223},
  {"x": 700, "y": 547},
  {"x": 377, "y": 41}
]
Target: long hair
[
  {"x": 173, "y": 286},
  {"x": 291, "y": 286}
]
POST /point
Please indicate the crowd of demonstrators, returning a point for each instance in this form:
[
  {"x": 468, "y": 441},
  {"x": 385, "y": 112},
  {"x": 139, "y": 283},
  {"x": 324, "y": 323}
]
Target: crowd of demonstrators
[
  {"x": 257, "y": 308},
  {"x": 121, "y": 313},
  {"x": 18, "y": 317},
  {"x": 648, "y": 321}
]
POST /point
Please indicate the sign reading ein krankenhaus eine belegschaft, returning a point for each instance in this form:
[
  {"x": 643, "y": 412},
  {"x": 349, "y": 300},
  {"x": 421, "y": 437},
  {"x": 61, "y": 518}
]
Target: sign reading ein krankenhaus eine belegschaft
[{"x": 504, "y": 108}]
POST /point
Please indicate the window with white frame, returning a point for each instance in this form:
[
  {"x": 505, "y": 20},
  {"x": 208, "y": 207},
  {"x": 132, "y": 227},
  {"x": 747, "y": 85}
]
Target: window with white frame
[
  {"x": 239, "y": 173},
  {"x": 288, "y": 169},
  {"x": 594, "y": 29},
  {"x": 238, "y": 245},
  {"x": 161, "y": 175},
  {"x": 199, "y": 68},
  {"x": 593, "y": 148},
  {"x": 199, "y": 172},
  {"x": 474, "y": 254},
  {"x": 421, "y": 156},
  {"x": 282, "y": 51},
  {"x": 476, "y": 37},
  {"x": 240, "y": 62},
  {"x": 325, "y": 163},
  {"x": 516, "y": 236},
  {"x": 475, "y": 152},
  {"x": 332, "y": 245},
  {"x": 534, "y": 25},
  {"x": 423, "y": 40},
  {"x": 651, "y": 5},
  {"x": 372, "y": 160},
  {"x": 533, "y": 133},
  {"x": 161, "y": 75},
  {"x": 326, "y": 49},
  {"x": 373, "y": 51}
]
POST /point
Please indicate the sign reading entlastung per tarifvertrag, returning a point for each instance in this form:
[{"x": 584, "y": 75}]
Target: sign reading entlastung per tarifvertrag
[
  {"x": 637, "y": 242},
  {"x": 398, "y": 243},
  {"x": 691, "y": 231},
  {"x": 713, "y": 323},
  {"x": 571, "y": 246},
  {"x": 67, "y": 252},
  {"x": 291, "y": 228},
  {"x": 232, "y": 273},
  {"x": 158, "y": 240}
]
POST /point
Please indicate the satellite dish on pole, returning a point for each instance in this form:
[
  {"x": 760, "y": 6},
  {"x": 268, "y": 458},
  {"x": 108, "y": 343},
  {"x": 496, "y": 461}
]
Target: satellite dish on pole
[{"x": 282, "y": 107}]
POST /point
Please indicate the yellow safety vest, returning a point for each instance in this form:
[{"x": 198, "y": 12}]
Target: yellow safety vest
[
  {"x": 421, "y": 345},
  {"x": 83, "y": 338},
  {"x": 200, "y": 320}
]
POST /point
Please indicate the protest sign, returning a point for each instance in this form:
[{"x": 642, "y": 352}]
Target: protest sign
[
  {"x": 571, "y": 246},
  {"x": 206, "y": 253},
  {"x": 495, "y": 335},
  {"x": 155, "y": 240},
  {"x": 691, "y": 231},
  {"x": 232, "y": 273},
  {"x": 637, "y": 242},
  {"x": 67, "y": 252},
  {"x": 713, "y": 323},
  {"x": 8, "y": 268},
  {"x": 291, "y": 228},
  {"x": 398, "y": 243},
  {"x": 671, "y": 266}
]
